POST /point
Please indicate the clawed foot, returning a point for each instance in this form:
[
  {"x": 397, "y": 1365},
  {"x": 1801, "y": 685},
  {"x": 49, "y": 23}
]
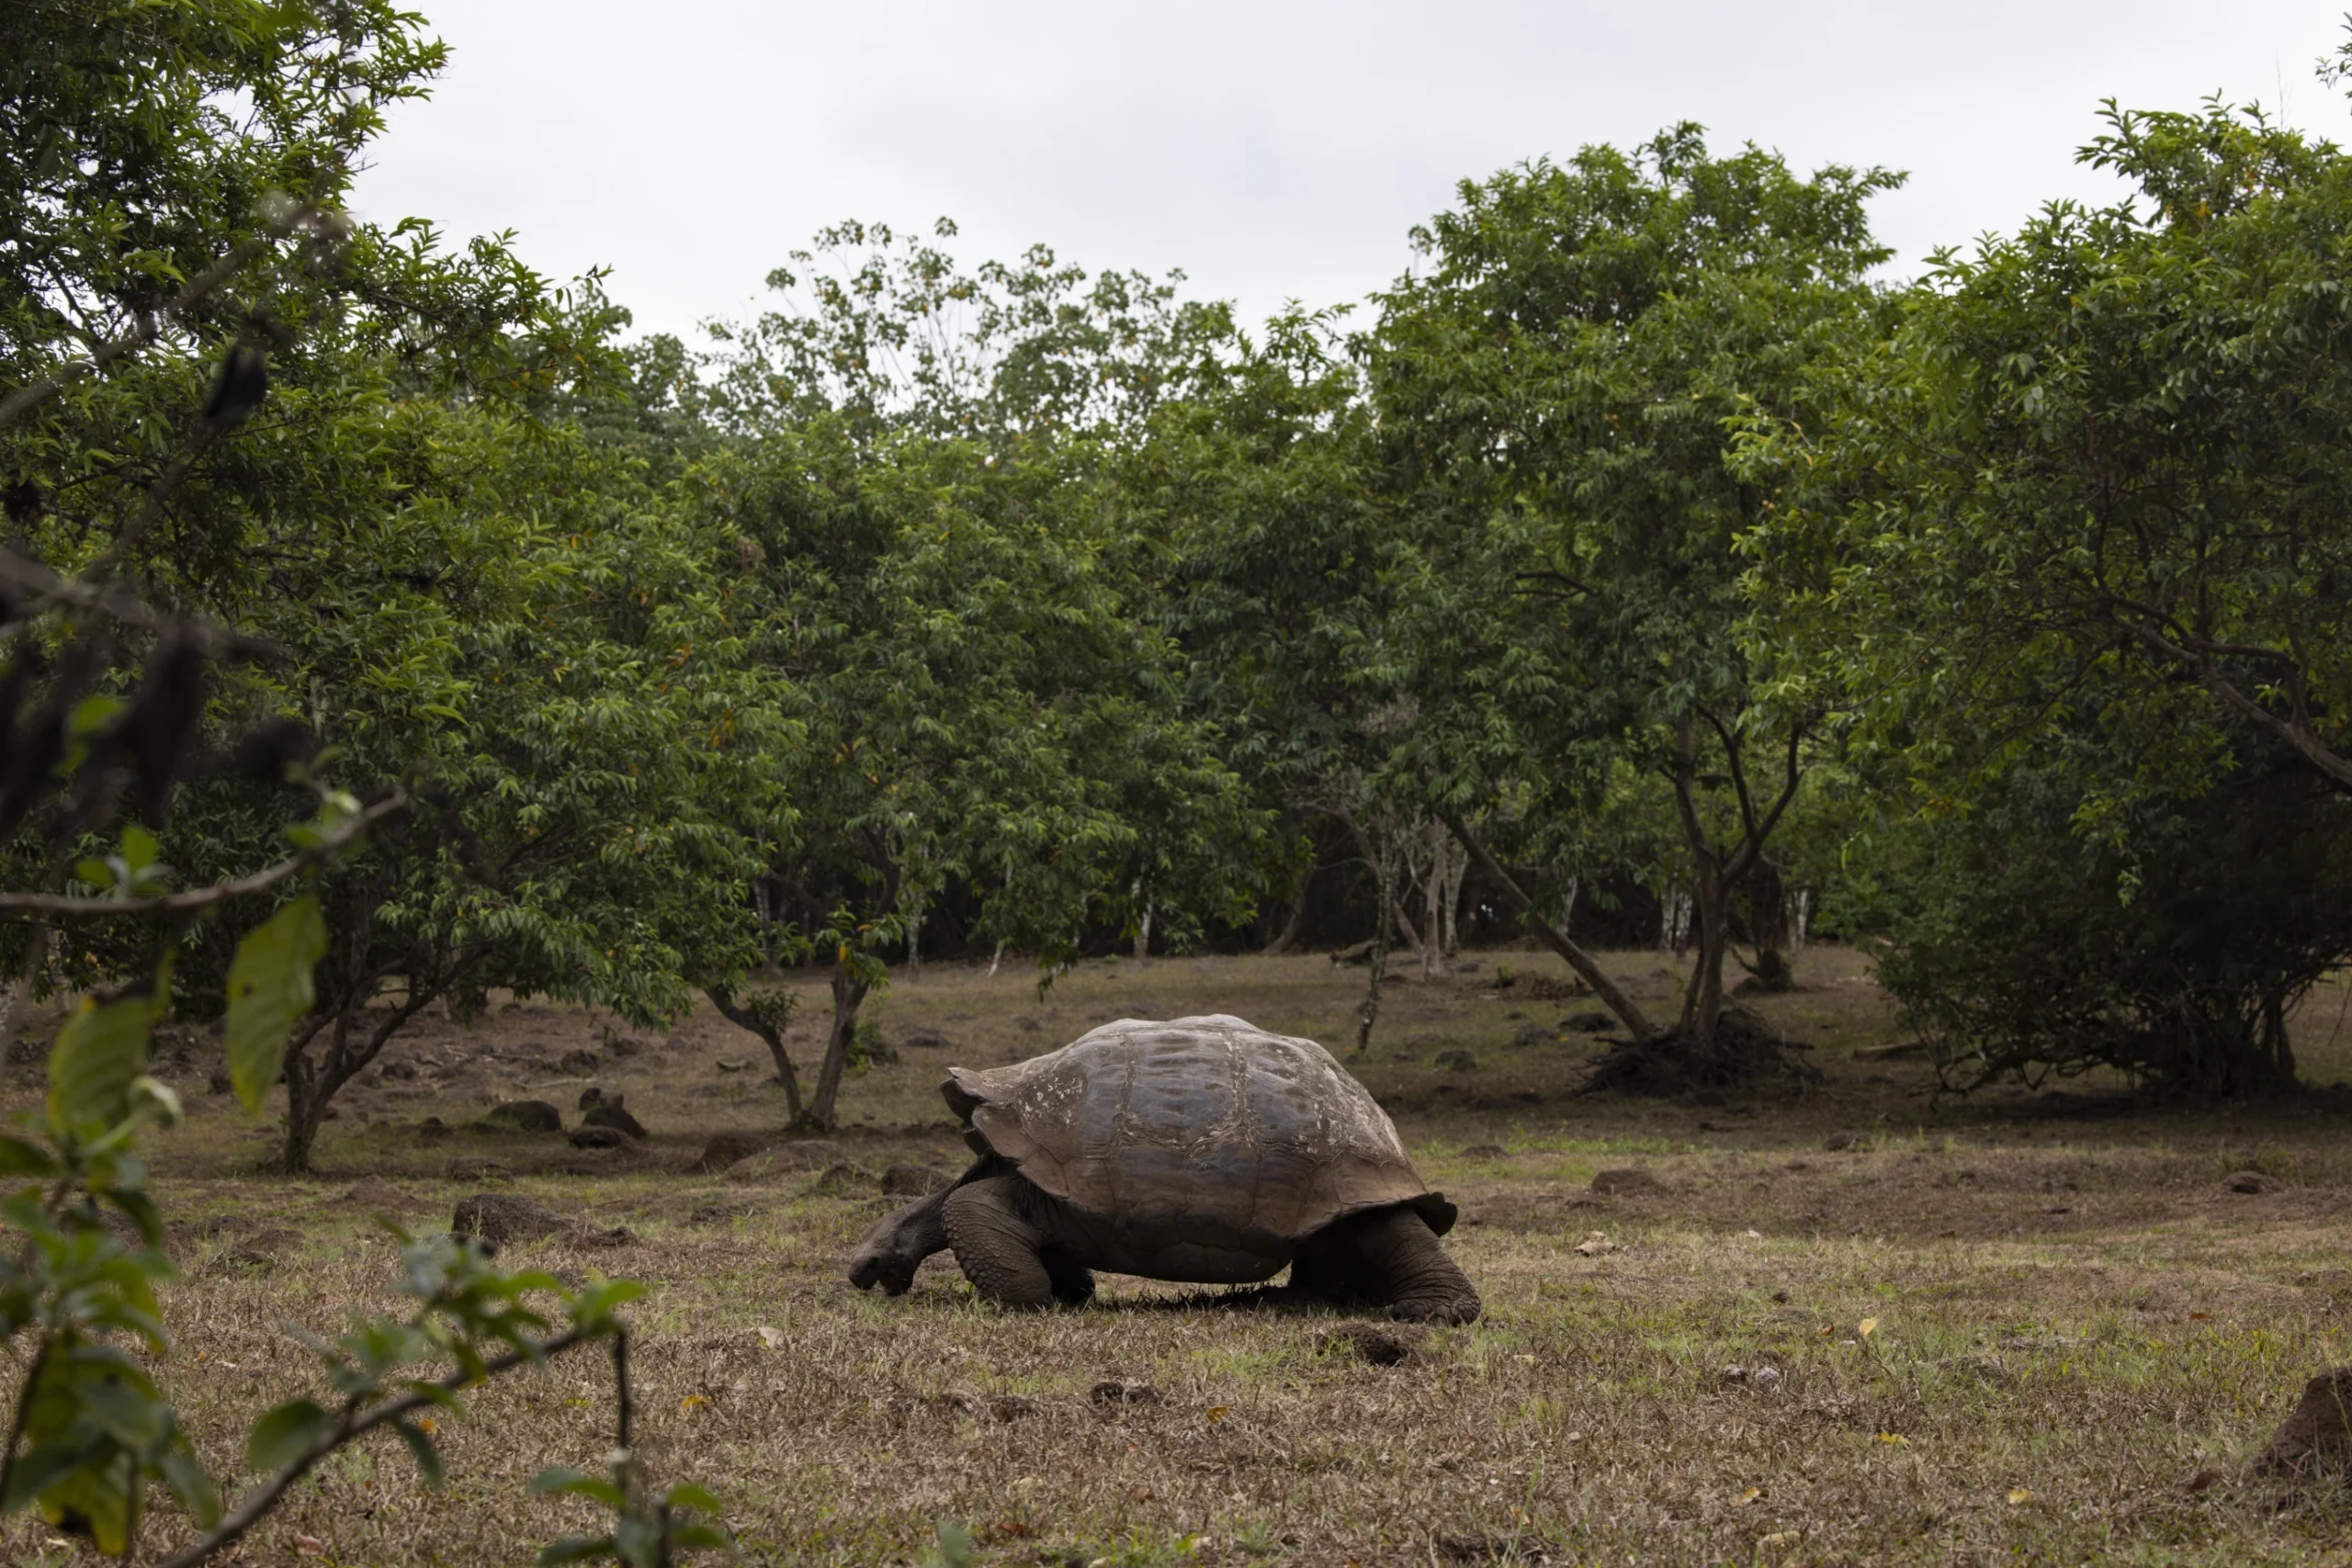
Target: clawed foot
[{"x": 1438, "y": 1311}]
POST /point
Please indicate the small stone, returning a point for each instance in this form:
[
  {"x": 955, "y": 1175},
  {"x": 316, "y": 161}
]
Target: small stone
[
  {"x": 1767, "y": 1377},
  {"x": 619, "y": 1045},
  {"x": 1376, "y": 1344},
  {"x": 1457, "y": 1062},
  {"x": 2250, "y": 1181},
  {"x": 1125, "y": 1390},
  {"x": 598, "y": 1137},
  {"x": 403, "y": 1071},
  {"x": 528, "y": 1115},
  {"x": 218, "y": 1083},
  {"x": 924, "y": 1039},
  {"x": 1626, "y": 1182},
  {"x": 375, "y": 1194},
  {"x": 1836, "y": 1141},
  {"x": 1732, "y": 1374},
  {"x": 2317, "y": 1435},
  {"x": 501, "y": 1218},
  {"x": 1595, "y": 1244},
  {"x": 619, "y": 1235},
  {"x": 430, "y": 1129},
  {"x": 726, "y": 1148},
  {"x": 912, "y": 1180},
  {"x": 790, "y": 1158},
  {"x": 608, "y": 1112},
  {"x": 726, "y": 1066},
  {"x": 591, "y": 1096},
  {"x": 1531, "y": 1034},
  {"x": 578, "y": 1064},
  {"x": 837, "y": 1179},
  {"x": 1592, "y": 1021}
]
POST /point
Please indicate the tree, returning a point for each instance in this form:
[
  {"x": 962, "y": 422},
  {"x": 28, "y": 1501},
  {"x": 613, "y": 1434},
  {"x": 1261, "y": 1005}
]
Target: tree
[
  {"x": 2102, "y": 456},
  {"x": 1552, "y": 393},
  {"x": 949, "y": 603}
]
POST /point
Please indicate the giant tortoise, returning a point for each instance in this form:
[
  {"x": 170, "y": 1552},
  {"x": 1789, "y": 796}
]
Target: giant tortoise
[{"x": 1204, "y": 1150}]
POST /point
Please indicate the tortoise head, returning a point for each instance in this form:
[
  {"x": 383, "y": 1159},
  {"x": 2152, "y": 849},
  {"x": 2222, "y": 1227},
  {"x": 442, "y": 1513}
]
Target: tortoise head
[{"x": 891, "y": 1252}]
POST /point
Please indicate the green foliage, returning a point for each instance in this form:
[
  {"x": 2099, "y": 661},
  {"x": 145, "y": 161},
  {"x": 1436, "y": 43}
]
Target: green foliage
[
  {"x": 1553, "y": 392},
  {"x": 2171, "y": 947}
]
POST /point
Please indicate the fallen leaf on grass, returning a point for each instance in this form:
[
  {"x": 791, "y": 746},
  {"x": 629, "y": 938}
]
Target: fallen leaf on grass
[
  {"x": 1218, "y": 1412},
  {"x": 2020, "y": 1496},
  {"x": 693, "y": 1402},
  {"x": 1752, "y": 1494},
  {"x": 1896, "y": 1437},
  {"x": 772, "y": 1338},
  {"x": 1595, "y": 1244},
  {"x": 1869, "y": 1327}
]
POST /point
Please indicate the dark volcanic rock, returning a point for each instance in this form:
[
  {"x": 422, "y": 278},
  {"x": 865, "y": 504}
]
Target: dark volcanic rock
[
  {"x": 608, "y": 1112},
  {"x": 2317, "y": 1435},
  {"x": 725, "y": 1149},
  {"x": 530, "y": 1116},
  {"x": 598, "y": 1137}
]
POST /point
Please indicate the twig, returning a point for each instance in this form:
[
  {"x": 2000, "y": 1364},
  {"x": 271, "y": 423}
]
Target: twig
[
  {"x": 120, "y": 604},
  {"x": 68, "y": 906},
  {"x": 259, "y": 1502},
  {"x": 25, "y": 399}
]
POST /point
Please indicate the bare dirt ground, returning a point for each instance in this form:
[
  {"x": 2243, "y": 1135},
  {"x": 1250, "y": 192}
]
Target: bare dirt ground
[{"x": 1847, "y": 1324}]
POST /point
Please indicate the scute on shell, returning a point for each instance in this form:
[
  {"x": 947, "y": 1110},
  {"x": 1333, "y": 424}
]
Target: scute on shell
[{"x": 1206, "y": 1119}]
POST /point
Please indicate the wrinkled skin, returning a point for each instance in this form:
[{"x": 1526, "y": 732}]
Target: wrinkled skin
[{"x": 1022, "y": 1247}]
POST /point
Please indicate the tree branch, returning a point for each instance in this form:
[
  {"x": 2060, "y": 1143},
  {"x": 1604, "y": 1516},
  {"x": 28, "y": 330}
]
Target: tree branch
[
  {"x": 72, "y": 907},
  {"x": 257, "y": 1503},
  {"x": 1577, "y": 958}
]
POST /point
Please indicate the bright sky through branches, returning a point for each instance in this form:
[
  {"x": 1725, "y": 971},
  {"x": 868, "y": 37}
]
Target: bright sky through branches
[{"x": 1269, "y": 149}]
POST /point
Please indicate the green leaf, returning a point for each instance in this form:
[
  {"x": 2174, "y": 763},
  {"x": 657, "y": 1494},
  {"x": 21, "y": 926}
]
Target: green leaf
[
  {"x": 286, "y": 1434},
  {"x": 562, "y": 1480},
  {"x": 138, "y": 847},
  {"x": 574, "y": 1549},
  {"x": 688, "y": 1495},
  {"x": 428, "y": 1458},
  {"x": 191, "y": 1485},
  {"x": 18, "y": 1158},
  {"x": 101, "y": 1050},
  {"x": 269, "y": 987}
]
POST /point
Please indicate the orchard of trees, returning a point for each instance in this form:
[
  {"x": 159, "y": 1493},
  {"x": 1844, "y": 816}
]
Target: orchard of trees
[
  {"x": 385, "y": 628},
  {"x": 1645, "y": 553}
]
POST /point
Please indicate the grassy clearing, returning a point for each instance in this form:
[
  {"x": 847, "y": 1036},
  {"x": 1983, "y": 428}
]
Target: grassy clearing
[{"x": 2069, "y": 1313}]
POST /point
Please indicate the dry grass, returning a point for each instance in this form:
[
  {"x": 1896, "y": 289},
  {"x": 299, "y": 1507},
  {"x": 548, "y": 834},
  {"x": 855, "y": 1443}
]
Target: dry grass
[{"x": 2071, "y": 1314}]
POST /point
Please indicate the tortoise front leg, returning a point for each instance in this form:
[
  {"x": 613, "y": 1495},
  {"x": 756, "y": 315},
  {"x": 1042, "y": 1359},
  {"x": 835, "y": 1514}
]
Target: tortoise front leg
[
  {"x": 1416, "y": 1277},
  {"x": 999, "y": 1247}
]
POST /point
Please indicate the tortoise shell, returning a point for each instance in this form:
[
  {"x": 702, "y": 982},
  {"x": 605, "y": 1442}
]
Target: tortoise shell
[{"x": 1200, "y": 1127}]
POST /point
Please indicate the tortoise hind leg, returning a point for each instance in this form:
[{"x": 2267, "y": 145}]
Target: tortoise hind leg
[{"x": 1000, "y": 1247}]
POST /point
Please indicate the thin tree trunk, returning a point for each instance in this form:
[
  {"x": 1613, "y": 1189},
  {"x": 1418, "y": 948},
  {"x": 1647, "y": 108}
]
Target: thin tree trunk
[
  {"x": 1703, "y": 1003},
  {"x": 849, "y": 994},
  {"x": 1457, "y": 869},
  {"x": 1382, "y": 861},
  {"x": 1369, "y": 1013},
  {"x": 1297, "y": 921},
  {"x": 914, "y": 940},
  {"x": 1611, "y": 995},
  {"x": 1143, "y": 920},
  {"x": 771, "y": 1035},
  {"x": 1433, "y": 905}
]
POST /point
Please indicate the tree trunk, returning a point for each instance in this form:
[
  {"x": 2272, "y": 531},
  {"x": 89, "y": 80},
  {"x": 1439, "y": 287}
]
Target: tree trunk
[
  {"x": 1702, "y": 1000},
  {"x": 771, "y": 1033},
  {"x": 1612, "y": 996},
  {"x": 1457, "y": 871},
  {"x": 849, "y": 994},
  {"x": 1297, "y": 921},
  {"x": 312, "y": 1084},
  {"x": 914, "y": 939},
  {"x": 1143, "y": 920},
  {"x": 1369, "y": 1013},
  {"x": 1433, "y": 905}
]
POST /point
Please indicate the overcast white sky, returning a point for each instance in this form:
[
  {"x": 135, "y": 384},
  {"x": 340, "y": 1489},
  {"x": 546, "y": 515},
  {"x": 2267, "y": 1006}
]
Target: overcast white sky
[{"x": 1275, "y": 149}]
